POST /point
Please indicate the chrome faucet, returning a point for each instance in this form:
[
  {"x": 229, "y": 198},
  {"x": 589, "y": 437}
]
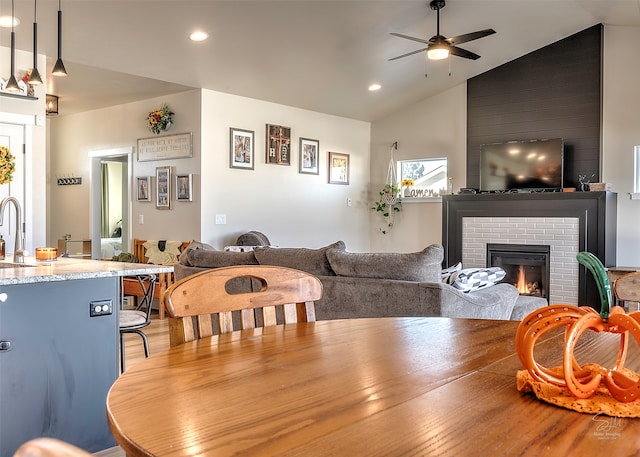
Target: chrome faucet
[{"x": 18, "y": 249}]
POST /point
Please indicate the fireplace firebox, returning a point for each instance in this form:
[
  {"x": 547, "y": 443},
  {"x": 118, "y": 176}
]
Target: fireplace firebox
[{"x": 526, "y": 266}]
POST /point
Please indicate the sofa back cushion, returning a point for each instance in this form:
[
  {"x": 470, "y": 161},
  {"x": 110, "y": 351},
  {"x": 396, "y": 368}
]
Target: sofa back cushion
[
  {"x": 202, "y": 255},
  {"x": 423, "y": 266},
  {"x": 312, "y": 261}
]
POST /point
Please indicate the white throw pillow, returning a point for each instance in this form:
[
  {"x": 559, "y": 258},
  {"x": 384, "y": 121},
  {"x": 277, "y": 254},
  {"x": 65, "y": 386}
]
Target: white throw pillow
[
  {"x": 447, "y": 272},
  {"x": 471, "y": 279}
]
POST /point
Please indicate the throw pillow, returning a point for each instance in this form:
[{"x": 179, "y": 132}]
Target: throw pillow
[
  {"x": 162, "y": 252},
  {"x": 471, "y": 279},
  {"x": 207, "y": 258},
  {"x": 313, "y": 261},
  {"x": 449, "y": 271},
  {"x": 423, "y": 266}
]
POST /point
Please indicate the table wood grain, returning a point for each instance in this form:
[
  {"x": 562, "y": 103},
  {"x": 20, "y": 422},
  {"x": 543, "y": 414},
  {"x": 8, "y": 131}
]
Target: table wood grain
[{"x": 374, "y": 387}]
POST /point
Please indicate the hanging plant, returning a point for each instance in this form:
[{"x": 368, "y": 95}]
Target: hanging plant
[
  {"x": 389, "y": 203},
  {"x": 7, "y": 165},
  {"x": 160, "y": 119}
]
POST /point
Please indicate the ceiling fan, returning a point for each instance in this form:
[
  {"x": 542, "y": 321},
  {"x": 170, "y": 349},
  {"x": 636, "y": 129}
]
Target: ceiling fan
[{"x": 438, "y": 46}]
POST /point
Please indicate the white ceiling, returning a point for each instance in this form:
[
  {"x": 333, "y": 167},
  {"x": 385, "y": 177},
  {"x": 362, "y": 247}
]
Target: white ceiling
[{"x": 318, "y": 55}]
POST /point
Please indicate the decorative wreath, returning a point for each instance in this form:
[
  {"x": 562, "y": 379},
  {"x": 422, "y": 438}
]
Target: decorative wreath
[
  {"x": 160, "y": 119},
  {"x": 7, "y": 165}
]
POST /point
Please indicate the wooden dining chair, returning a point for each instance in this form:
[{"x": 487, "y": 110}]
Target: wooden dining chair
[
  {"x": 626, "y": 288},
  {"x": 49, "y": 447},
  {"x": 264, "y": 295}
]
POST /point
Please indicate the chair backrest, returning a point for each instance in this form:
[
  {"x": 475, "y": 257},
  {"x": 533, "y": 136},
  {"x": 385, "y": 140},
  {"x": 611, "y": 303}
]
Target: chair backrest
[
  {"x": 279, "y": 294},
  {"x": 627, "y": 287},
  {"x": 49, "y": 447}
]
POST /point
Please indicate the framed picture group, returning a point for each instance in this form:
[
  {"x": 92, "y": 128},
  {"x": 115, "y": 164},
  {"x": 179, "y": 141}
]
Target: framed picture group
[
  {"x": 183, "y": 185},
  {"x": 278, "y": 152}
]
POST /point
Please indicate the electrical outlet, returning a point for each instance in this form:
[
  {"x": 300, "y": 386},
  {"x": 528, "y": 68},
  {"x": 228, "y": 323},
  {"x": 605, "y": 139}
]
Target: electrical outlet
[
  {"x": 100, "y": 308},
  {"x": 221, "y": 219},
  {"x": 349, "y": 202}
]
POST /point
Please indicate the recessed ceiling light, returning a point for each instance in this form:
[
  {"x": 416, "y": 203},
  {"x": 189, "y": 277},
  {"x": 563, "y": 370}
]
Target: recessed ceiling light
[
  {"x": 5, "y": 21},
  {"x": 198, "y": 36},
  {"x": 375, "y": 87}
]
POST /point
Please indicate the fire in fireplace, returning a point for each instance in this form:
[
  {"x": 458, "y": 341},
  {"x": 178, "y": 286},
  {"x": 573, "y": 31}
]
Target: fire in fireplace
[{"x": 526, "y": 266}]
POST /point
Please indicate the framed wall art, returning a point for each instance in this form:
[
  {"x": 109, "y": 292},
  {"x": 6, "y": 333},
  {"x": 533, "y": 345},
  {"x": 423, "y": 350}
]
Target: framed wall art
[
  {"x": 143, "y": 188},
  {"x": 184, "y": 187},
  {"x": 278, "y": 145},
  {"x": 163, "y": 187},
  {"x": 338, "y": 168},
  {"x": 165, "y": 147},
  {"x": 241, "y": 149},
  {"x": 309, "y": 155}
]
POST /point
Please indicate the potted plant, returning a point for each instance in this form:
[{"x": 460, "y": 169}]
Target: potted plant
[{"x": 389, "y": 203}]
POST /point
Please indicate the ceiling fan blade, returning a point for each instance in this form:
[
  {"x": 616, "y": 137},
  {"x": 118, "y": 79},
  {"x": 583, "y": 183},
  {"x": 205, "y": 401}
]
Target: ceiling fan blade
[
  {"x": 470, "y": 36},
  {"x": 419, "y": 40},
  {"x": 453, "y": 50},
  {"x": 408, "y": 54}
]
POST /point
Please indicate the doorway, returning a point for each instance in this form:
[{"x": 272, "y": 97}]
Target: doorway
[{"x": 110, "y": 202}]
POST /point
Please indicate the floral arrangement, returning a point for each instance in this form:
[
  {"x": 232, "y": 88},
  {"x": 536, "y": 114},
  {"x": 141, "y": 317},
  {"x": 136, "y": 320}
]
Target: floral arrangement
[
  {"x": 7, "y": 165},
  {"x": 407, "y": 182},
  {"x": 160, "y": 119}
]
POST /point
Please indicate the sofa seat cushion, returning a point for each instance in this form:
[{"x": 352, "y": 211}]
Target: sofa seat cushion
[
  {"x": 423, "y": 266},
  {"x": 313, "y": 261},
  {"x": 202, "y": 255}
]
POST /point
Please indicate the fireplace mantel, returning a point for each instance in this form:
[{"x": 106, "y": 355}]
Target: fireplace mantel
[{"x": 595, "y": 211}]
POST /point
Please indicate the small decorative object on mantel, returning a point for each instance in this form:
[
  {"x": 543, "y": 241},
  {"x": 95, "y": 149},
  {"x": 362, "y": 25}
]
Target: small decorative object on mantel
[
  {"x": 159, "y": 120},
  {"x": 588, "y": 388},
  {"x": 600, "y": 186},
  {"x": 584, "y": 182},
  {"x": 7, "y": 165}
]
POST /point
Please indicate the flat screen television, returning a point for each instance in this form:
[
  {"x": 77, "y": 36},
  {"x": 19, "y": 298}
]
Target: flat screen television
[{"x": 522, "y": 165}]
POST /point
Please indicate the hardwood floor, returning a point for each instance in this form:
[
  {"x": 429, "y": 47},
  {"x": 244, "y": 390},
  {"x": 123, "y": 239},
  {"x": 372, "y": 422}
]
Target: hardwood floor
[{"x": 158, "y": 335}]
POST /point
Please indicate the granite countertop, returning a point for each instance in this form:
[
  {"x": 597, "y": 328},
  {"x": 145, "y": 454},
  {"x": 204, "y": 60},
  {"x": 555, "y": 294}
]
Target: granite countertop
[{"x": 63, "y": 269}]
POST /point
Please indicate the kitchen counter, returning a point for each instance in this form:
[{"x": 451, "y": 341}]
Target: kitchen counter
[
  {"x": 58, "y": 357},
  {"x": 64, "y": 269}
]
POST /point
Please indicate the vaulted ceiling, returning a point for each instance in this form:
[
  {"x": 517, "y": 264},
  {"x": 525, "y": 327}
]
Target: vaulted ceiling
[{"x": 317, "y": 55}]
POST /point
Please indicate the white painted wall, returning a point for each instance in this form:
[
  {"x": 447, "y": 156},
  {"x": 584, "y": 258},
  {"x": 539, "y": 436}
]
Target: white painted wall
[
  {"x": 72, "y": 137},
  {"x": 621, "y": 132},
  {"x": 432, "y": 128},
  {"x": 292, "y": 209}
]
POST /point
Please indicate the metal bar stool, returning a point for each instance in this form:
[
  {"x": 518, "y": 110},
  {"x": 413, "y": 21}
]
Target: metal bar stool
[{"x": 134, "y": 320}]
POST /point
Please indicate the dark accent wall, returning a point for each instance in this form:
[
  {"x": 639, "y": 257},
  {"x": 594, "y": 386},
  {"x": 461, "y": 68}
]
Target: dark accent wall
[{"x": 554, "y": 92}]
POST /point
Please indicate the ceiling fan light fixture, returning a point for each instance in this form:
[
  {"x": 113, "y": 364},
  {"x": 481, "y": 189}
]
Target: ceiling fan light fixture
[{"x": 437, "y": 53}]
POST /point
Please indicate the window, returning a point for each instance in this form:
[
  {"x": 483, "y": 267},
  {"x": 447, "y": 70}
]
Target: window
[{"x": 429, "y": 177}]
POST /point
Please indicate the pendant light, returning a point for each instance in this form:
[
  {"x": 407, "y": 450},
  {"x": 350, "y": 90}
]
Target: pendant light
[
  {"x": 12, "y": 84},
  {"x": 58, "y": 68},
  {"x": 34, "y": 78}
]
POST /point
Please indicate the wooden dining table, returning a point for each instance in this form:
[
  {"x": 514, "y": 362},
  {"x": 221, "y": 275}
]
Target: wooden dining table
[{"x": 359, "y": 387}]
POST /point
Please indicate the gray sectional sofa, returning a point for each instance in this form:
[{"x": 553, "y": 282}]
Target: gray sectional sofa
[{"x": 357, "y": 285}]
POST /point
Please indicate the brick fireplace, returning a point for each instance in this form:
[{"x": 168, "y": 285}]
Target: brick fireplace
[{"x": 566, "y": 222}]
